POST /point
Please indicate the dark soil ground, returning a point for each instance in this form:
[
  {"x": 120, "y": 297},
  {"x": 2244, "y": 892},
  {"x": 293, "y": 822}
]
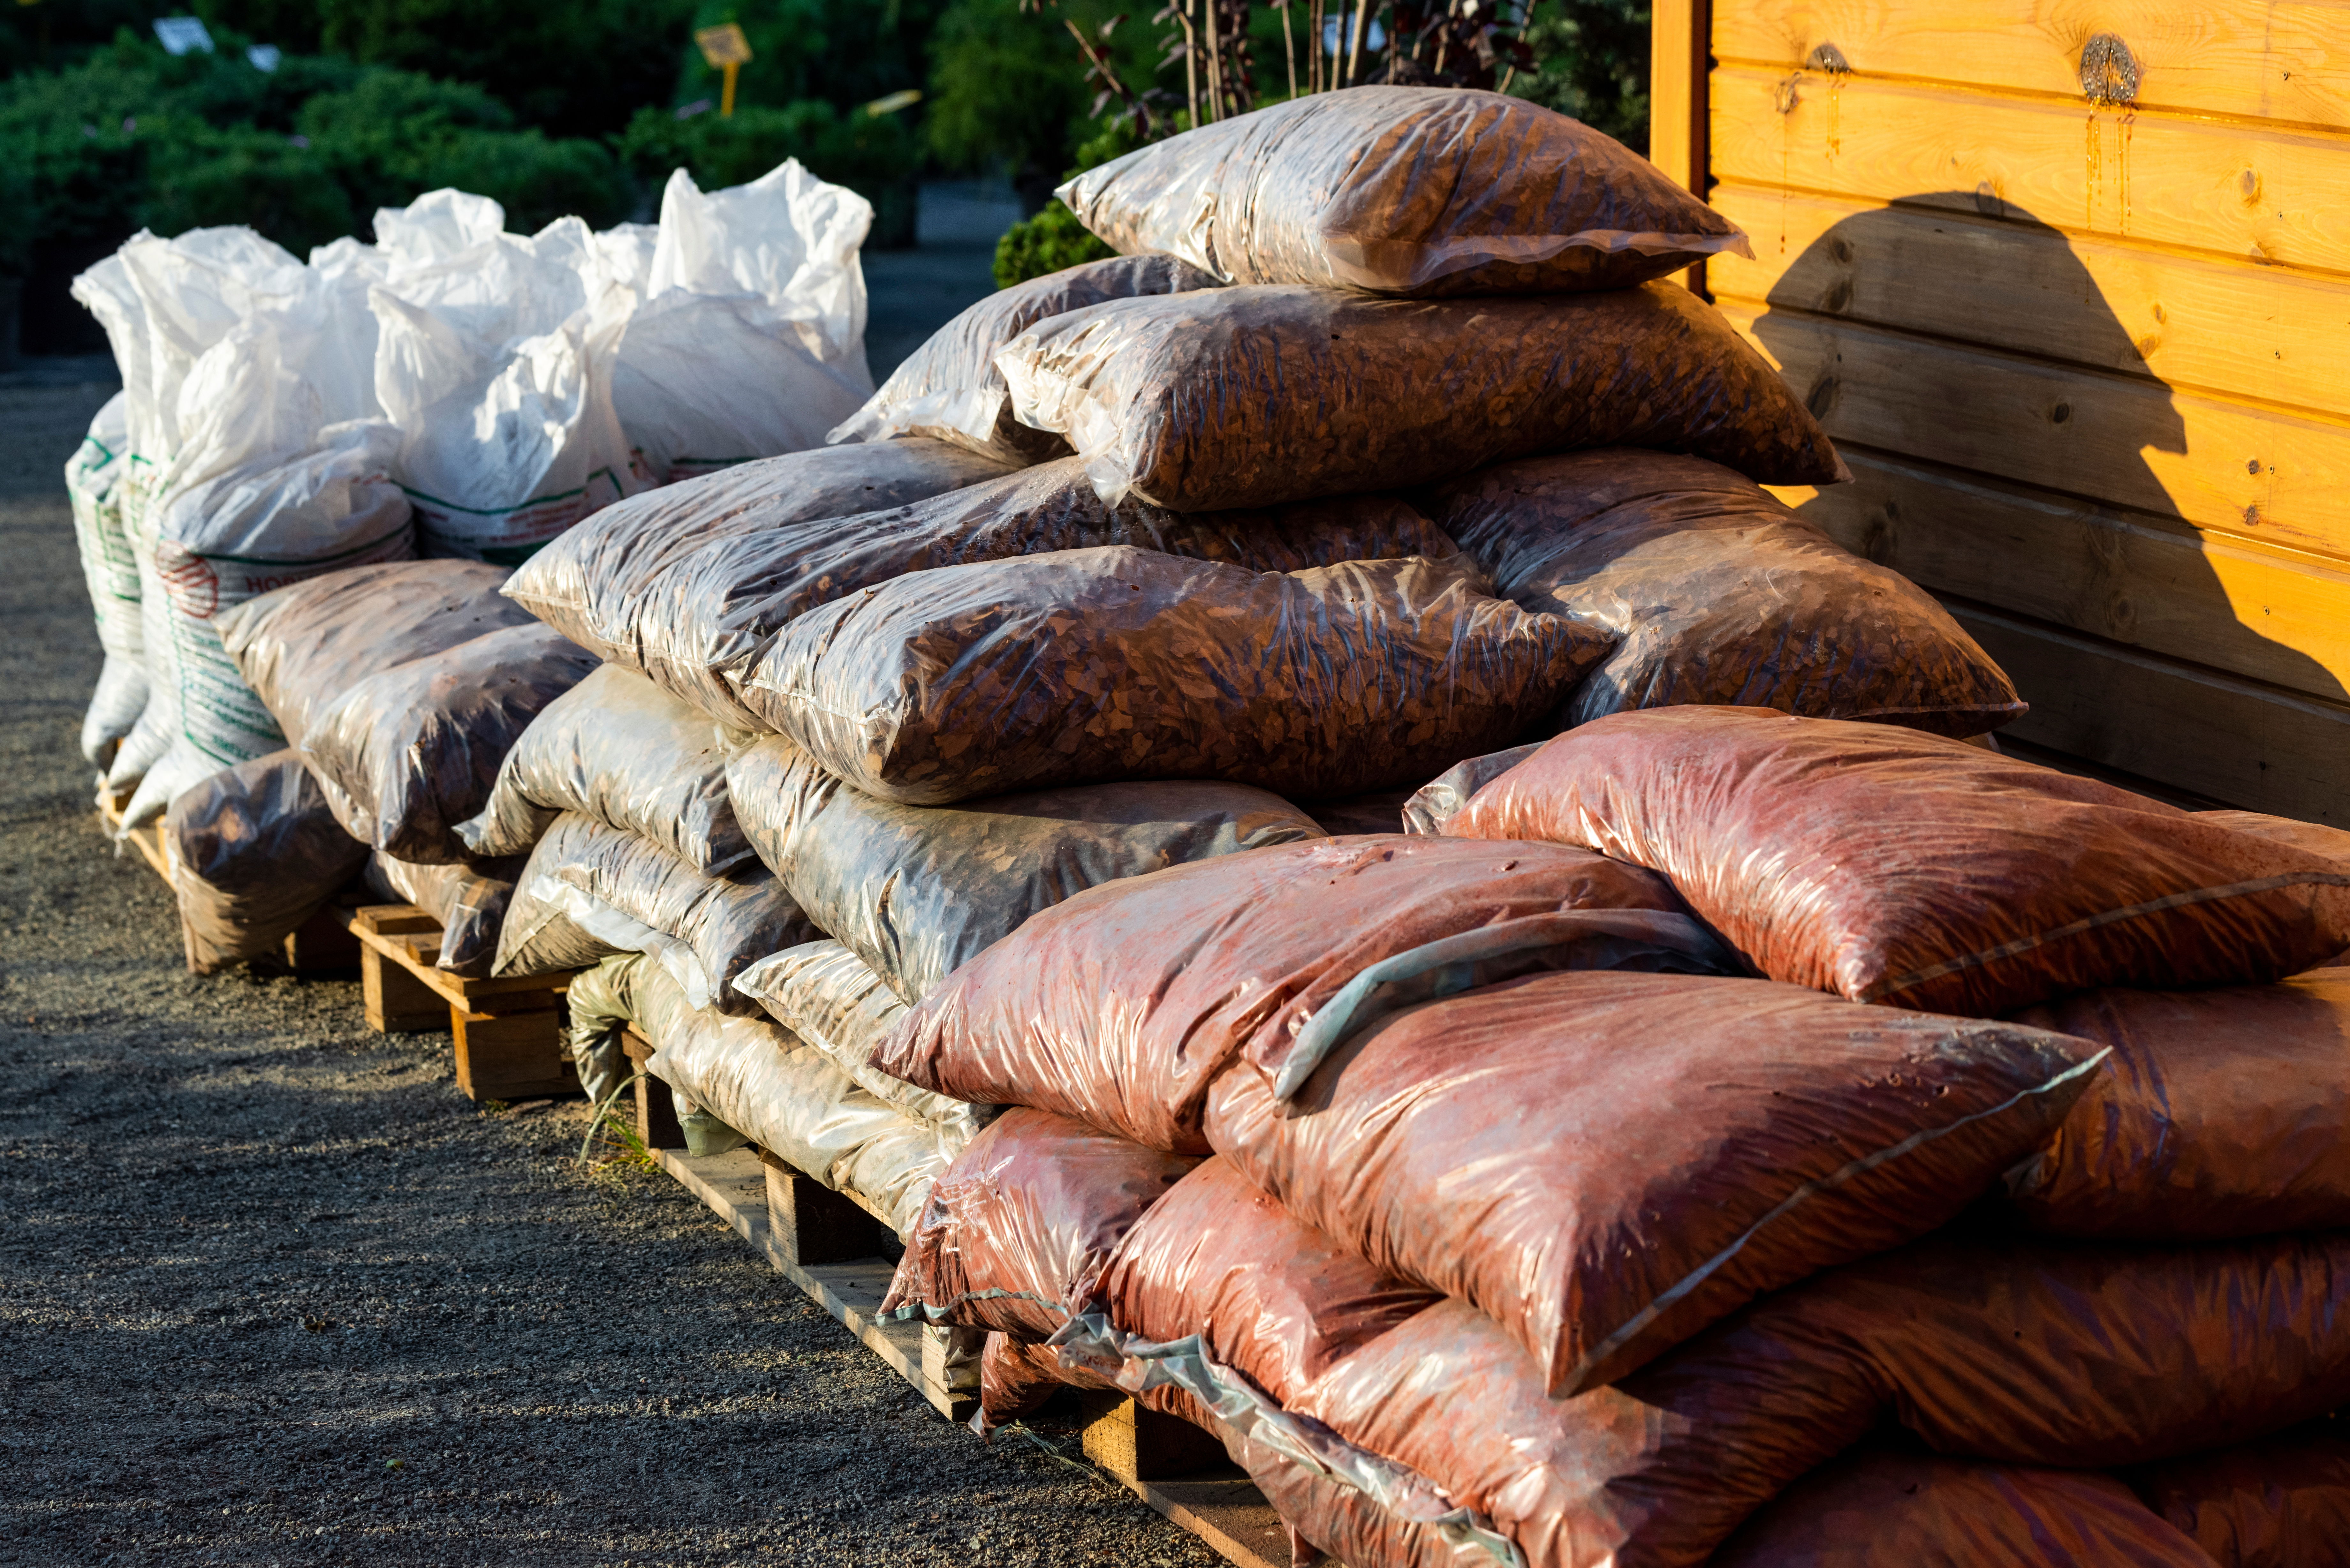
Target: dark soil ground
[{"x": 273, "y": 1292}]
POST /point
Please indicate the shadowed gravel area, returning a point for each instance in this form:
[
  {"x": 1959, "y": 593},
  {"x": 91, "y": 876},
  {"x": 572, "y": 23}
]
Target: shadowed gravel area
[{"x": 273, "y": 1292}]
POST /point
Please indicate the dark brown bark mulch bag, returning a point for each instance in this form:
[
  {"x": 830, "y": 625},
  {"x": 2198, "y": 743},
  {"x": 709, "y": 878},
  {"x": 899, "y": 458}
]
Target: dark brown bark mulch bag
[
  {"x": 917, "y": 891},
  {"x": 1120, "y": 1005},
  {"x": 1881, "y": 1508},
  {"x": 254, "y": 850},
  {"x": 620, "y": 749},
  {"x": 302, "y": 647},
  {"x": 717, "y": 613},
  {"x": 2221, "y": 1114},
  {"x": 2280, "y": 1502},
  {"x": 1097, "y": 665},
  {"x": 406, "y": 756},
  {"x": 1718, "y": 593},
  {"x": 1403, "y": 189},
  {"x": 1247, "y": 397},
  {"x": 590, "y": 890},
  {"x": 950, "y": 387},
  {"x": 1651, "y": 1151},
  {"x": 1897, "y": 867},
  {"x": 469, "y": 901},
  {"x": 1021, "y": 1225},
  {"x": 592, "y": 582}
]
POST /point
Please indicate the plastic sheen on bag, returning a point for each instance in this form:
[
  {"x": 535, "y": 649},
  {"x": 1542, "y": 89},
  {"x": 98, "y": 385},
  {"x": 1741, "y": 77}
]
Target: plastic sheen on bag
[
  {"x": 834, "y": 1001},
  {"x": 622, "y": 750},
  {"x": 1120, "y": 1005},
  {"x": 593, "y": 583},
  {"x": 407, "y": 754},
  {"x": 1022, "y": 1224},
  {"x": 600, "y": 1003},
  {"x": 469, "y": 902},
  {"x": 1896, "y": 867},
  {"x": 1719, "y": 592},
  {"x": 723, "y": 609},
  {"x": 254, "y": 851},
  {"x": 950, "y": 387},
  {"x": 2280, "y": 1502},
  {"x": 915, "y": 891},
  {"x": 1249, "y": 397},
  {"x": 111, "y": 575},
  {"x": 301, "y": 647},
  {"x": 1439, "y": 800},
  {"x": 1403, "y": 189},
  {"x": 1100, "y": 666}
]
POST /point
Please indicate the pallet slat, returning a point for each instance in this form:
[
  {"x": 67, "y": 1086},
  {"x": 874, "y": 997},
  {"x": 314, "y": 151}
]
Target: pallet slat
[{"x": 508, "y": 1032}]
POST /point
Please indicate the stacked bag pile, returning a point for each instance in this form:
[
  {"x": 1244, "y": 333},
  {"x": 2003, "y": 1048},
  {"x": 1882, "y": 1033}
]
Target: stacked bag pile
[{"x": 1288, "y": 811}]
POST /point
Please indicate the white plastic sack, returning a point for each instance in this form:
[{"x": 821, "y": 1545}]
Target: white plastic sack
[
  {"x": 112, "y": 576},
  {"x": 495, "y": 358},
  {"x": 749, "y": 340}
]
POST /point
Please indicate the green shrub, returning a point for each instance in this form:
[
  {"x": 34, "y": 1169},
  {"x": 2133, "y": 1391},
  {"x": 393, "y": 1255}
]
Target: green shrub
[
  {"x": 878, "y": 158},
  {"x": 1048, "y": 242},
  {"x": 1591, "y": 60}
]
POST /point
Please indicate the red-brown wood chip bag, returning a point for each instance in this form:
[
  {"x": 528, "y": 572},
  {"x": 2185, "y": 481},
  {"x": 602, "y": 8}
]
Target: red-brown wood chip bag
[
  {"x": 1119, "y": 1005},
  {"x": 1607, "y": 1162},
  {"x": 2280, "y": 1502},
  {"x": 1896, "y": 867},
  {"x": 2221, "y": 1115}
]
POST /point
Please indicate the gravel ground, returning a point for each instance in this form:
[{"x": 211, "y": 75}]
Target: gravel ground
[{"x": 273, "y": 1292}]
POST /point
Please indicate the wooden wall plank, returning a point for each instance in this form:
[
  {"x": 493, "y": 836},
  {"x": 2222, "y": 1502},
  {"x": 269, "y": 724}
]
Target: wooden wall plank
[
  {"x": 1678, "y": 68},
  {"x": 2279, "y": 618},
  {"x": 2221, "y": 466},
  {"x": 2216, "y": 325},
  {"x": 2228, "y": 188},
  {"x": 2212, "y": 733},
  {"x": 2263, "y": 59}
]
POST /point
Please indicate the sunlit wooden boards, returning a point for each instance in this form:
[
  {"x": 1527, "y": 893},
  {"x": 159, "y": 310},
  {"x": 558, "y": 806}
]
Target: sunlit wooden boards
[{"x": 2085, "y": 357}]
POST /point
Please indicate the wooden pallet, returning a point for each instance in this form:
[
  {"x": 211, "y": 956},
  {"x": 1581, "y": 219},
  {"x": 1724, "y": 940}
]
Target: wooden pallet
[
  {"x": 509, "y": 1032},
  {"x": 833, "y": 1249}
]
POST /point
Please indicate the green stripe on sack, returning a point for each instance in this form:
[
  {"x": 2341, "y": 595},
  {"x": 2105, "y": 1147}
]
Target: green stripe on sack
[{"x": 518, "y": 506}]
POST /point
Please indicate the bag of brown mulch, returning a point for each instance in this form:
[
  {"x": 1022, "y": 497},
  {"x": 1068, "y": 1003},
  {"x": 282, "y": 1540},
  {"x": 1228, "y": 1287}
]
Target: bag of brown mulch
[
  {"x": 1879, "y": 1506},
  {"x": 1403, "y": 189},
  {"x": 917, "y": 891},
  {"x": 2220, "y": 1114},
  {"x": 1120, "y": 1005},
  {"x": 1020, "y": 1227},
  {"x": 254, "y": 851},
  {"x": 2314, "y": 837},
  {"x": 469, "y": 901},
  {"x": 1651, "y": 1151},
  {"x": 301, "y": 647},
  {"x": 1248, "y": 396},
  {"x": 407, "y": 754},
  {"x": 590, "y": 890},
  {"x": 622, "y": 750},
  {"x": 593, "y": 581},
  {"x": 1103, "y": 665},
  {"x": 2280, "y": 1502},
  {"x": 1717, "y": 592},
  {"x": 703, "y": 634},
  {"x": 950, "y": 387},
  {"x": 1897, "y": 867}
]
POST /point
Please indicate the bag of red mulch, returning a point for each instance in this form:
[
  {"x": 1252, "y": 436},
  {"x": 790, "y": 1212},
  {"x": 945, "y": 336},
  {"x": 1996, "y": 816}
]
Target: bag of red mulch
[
  {"x": 950, "y": 387},
  {"x": 918, "y": 890},
  {"x": 2280, "y": 1502},
  {"x": 1251, "y": 397},
  {"x": 469, "y": 901},
  {"x": 593, "y": 582},
  {"x": 590, "y": 890},
  {"x": 407, "y": 754},
  {"x": 254, "y": 851},
  {"x": 1403, "y": 189},
  {"x": 1896, "y": 867},
  {"x": 1718, "y": 593},
  {"x": 1119, "y": 1006},
  {"x": 1105, "y": 665},
  {"x": 717, "y": 613},
  {"x": 2220, "y": 1114},
  {"x": 1879, "y": 1506},
  {"x": 1439, "y": 800},
  {"x": 1021, "y": 1225},
  {"x": 622, "y": 750},
  {"x": 2314, "y": 837},
  {"x": 1652, "y": 1151},
  {"x": 301, "y": 647}
]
